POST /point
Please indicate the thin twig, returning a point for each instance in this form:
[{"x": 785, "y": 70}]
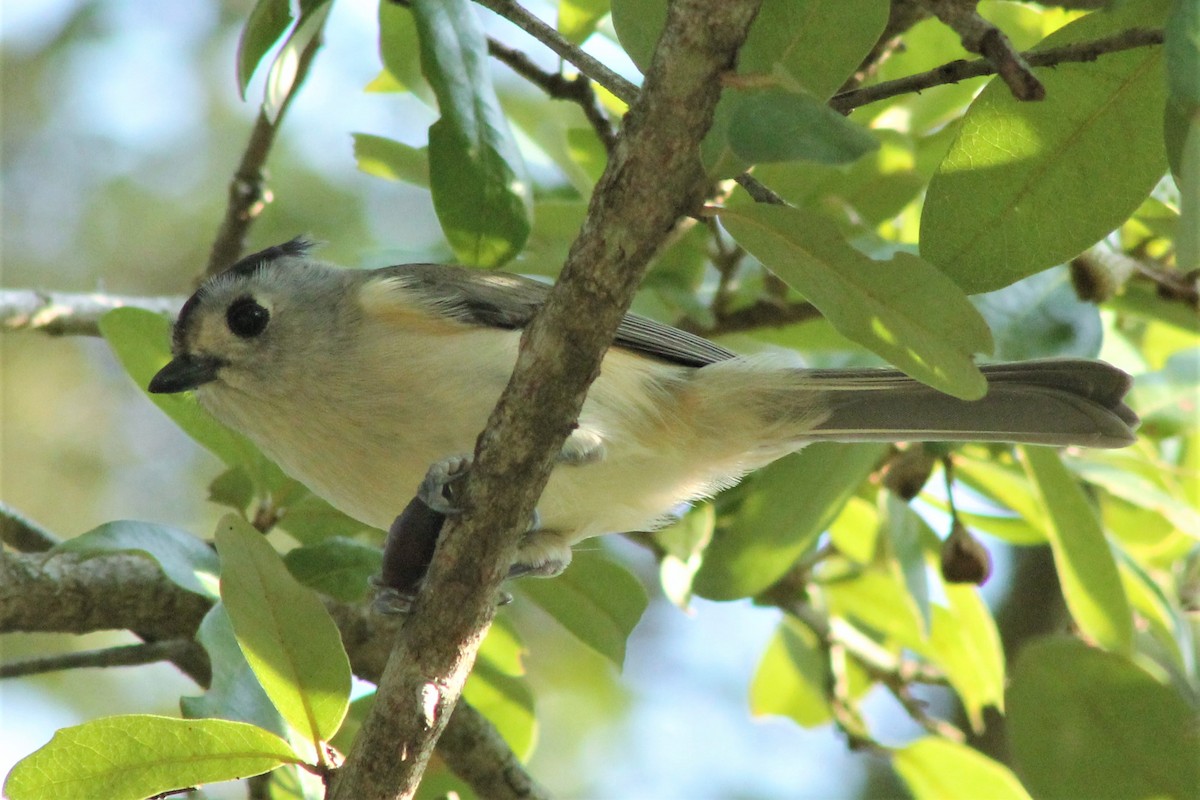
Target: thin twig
[
  {"x": 70, "y": 314},
  {"x": 248, "y": 194},
  {"x": 961, "y": 70},
  {"x": 762, "y": 314},
  {"x": 128, "y": 655},
  {"x": 625, "y": 90},
  {"x": 577, "y": 90},
  {"x": 980, "y": 36}
]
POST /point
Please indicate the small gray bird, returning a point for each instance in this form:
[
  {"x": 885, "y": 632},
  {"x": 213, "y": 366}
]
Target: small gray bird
[{"x": 356, "y": 381}]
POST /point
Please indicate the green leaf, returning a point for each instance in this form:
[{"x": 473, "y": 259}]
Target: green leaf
[
  {"x": 1085, "y": 564},
  {"x": 189, "y": 562},
  {"x": 395, "y": 161},
  {"x": 139, "y": 755},
  {"x": 235, "y": 693},
  {"x": 498, "y": 689},
  {"x": 903, "y": 309},
  {"x": 1017, "y": 192},
  {"x": 337, "y": 567},
  {"x": 281, "y": 80},
  {"x": 399, "y": 49},
  {"x": 596, "y": 599},
  {"x": 880, "y": 601},
  {"x": 793, "y": 677},
  {"x": 311, "y": 519},
  {"x": 265, "y": 26},
  {"x": 813, "y": 44},
  {"x": 776, "y": 522},
  {"x": 577, "y": 19},
  {"x": 477, "y": 176},
  {"x": 683, "y": 544},
  {"x": 638, "y": 24},
  {"x": 964, "y": 642},
  {"x": 939, "y": 769},
  {"x": 1041, "y": 317},
  {"x": 778, "y": 125},
  {"x": 1086, "y": 723},
  {"x": 286, "y": 634},
  {"x": 141, "y": 341},
  {"x": 1182, "y": 50},
  {"x": 232, "y": 488}
]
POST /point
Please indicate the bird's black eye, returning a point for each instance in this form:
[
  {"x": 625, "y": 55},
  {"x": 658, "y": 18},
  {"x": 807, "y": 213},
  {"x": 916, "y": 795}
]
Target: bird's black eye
[{"x": 246, "y": 318}]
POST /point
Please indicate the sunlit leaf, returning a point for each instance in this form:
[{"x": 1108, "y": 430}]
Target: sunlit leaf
[
  {"x": 265, "y": 26},
  {"x": 577, "y": 19},
  {"x": 133, "y": 757},
  {"x": 387, "y": 158},
  {"x": 235, "y": 693},
  {"x": 1086, "y": 569},
  {"x": 903, "y": 309},
  {"x": 286, "y": 634},
  {"x": 775, "y": 524},
  {"x": 1016, "y": 194},
  {"x": 498, "y": 689},
  {"x": 596, "y": 599},
  {"x": 939, "y": 769},
  {"x": 793, "y": 677}
]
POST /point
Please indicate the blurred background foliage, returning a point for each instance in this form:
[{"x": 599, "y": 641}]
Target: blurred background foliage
[{"x": 121, "y": 130}]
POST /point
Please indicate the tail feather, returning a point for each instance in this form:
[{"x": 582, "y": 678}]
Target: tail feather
[{"x": 1052, "y": 402}]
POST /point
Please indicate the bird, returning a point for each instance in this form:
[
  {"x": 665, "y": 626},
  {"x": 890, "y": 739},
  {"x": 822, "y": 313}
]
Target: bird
[{"x": 356, "y": 381}]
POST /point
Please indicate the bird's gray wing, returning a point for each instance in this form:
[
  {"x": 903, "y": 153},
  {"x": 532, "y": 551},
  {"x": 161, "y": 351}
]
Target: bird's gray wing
[{"x": 503, "y": 300}]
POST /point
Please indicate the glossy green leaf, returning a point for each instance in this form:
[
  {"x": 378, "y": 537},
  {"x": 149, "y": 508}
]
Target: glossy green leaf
[
  {"x": 596, "y": 599},
  {"x": 189, "y": 562},
  {"x": 904, "y": 310},
  {"x": 965, "y": 643},
  {"x": 498, "y": 689},
  {"x": 142, "y": 343},
  {"x": 638, "y": 24},
  {"x": 135, "y": 756},
  {"x": 1009, "y": 487},
  {"x": 399, "y": 49},
  {"x": 281, "y": 79},
  {"x": 286, "y": 634},
  {"x": 909, "y": 537},
  {"x": 1041, "y": 317},
  {"x": 1086, "y": 723},
  {"x": 939, "y": 769},
  {"x": 881, "y": 602},
  {"x": 395, "y": 161},
  {"x": 784, "y": 508},
  {"x": 235, "y": 693},
  {"x": 812, "y": 44},
  {"x": 778, "y": 125},
  {"x": 1086, "y": 569},
  {"x": 1140, "y": 491},
  {"x": 265, "y": 26},
  {"x": 476, "y": 173},
  {"x": 232, "y": 488},
  {"x": 338, "y": 567},
  {"x": 793, "y": 678},
  {"x": 1182, "y": 49},
  {"x": 577, "y": 19},
  {"x": 1017, "y": 192}
]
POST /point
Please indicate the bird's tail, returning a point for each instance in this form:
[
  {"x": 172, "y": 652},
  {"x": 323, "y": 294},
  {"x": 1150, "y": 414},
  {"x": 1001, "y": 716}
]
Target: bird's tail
[{"x": 1052, "y": 402}]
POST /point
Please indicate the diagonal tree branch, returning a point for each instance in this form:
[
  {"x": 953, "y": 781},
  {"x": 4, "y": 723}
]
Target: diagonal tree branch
[
  {"x": 653, "y": 178},
  {"x": 956, "y": 71}
]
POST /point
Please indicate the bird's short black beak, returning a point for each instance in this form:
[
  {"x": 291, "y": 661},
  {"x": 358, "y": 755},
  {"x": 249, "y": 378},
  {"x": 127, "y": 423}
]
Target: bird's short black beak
[{"x": 183, "y": 373}]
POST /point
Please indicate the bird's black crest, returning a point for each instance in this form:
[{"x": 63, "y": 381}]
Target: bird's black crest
[
  {"x": 296, "y": 247},
  {"x": 299, "y": 246}
]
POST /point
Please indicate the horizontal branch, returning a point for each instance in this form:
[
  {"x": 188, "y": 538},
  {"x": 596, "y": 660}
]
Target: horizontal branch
[
  {"x": 126, "y": 655},
  {"x": 962, "y": 70},
  {"x": 71, "y": 314}
]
